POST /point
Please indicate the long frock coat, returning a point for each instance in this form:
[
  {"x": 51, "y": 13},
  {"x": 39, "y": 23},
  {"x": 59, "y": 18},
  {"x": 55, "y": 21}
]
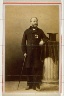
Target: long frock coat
[{"x": 30, "y": 45}]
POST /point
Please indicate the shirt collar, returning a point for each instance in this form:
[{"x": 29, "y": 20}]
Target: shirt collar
[{"x": 34, "y": 28}]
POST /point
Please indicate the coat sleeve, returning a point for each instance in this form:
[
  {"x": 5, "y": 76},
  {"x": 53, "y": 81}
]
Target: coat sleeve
[
  {"x": 23, "y": 44},
  {"x": 44, "y": 37}
]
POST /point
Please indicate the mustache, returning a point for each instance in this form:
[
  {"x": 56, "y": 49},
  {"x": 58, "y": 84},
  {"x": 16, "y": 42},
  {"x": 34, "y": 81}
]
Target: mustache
[{"x": 35, "y": 24}]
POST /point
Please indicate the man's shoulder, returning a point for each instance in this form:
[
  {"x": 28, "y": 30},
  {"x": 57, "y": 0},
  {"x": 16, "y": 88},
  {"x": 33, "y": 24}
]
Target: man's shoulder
[
  {"x": 27, "y": 30},
  {"x": 40, "y": 30}
]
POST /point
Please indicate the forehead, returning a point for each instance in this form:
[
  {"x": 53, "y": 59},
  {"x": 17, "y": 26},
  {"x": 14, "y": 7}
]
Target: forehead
[{"x": 34, "y": 19}]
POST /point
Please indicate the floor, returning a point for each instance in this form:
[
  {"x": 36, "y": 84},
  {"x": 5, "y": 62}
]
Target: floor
[{"x": 12, "y": 86}]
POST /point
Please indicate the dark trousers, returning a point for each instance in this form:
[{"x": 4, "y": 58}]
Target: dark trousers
[{"x": 33, "y": 77}]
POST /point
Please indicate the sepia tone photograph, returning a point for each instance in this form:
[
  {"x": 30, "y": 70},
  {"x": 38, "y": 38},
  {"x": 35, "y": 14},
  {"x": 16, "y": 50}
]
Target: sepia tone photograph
[{"x": 32, "y": 37}]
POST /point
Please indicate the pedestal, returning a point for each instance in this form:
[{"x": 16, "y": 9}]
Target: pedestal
[{"x": 51, "y": 63}]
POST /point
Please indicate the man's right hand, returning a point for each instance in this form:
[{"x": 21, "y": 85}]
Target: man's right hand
[{"x": 25, "y": 55}]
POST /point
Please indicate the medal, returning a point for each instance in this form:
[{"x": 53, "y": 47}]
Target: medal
[{"x": 36, "y": 36}]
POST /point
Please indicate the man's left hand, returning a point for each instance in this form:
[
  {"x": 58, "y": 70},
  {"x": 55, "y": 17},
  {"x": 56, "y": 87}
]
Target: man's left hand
[{"x": 41, "y": 42}]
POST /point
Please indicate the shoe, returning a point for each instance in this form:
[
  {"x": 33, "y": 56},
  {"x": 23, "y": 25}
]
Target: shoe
[
  {"x": 28, "y": 87},
  {"x": 38, "y": 86},
  {"x": 37, "y": 89}
]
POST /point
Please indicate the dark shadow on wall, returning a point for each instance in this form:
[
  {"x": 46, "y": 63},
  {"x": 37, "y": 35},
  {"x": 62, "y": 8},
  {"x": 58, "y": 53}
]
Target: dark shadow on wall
[{"x": 13, "y": 61}]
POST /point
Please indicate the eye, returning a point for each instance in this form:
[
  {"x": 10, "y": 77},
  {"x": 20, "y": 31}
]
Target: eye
[{"x": 34, "y": 21}]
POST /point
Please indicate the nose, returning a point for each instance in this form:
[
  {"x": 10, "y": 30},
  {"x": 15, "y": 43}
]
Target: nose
[{"x": 36, "y": 22}]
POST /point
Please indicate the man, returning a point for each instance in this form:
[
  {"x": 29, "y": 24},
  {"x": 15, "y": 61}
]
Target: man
[{"x": 32, "y": 40}]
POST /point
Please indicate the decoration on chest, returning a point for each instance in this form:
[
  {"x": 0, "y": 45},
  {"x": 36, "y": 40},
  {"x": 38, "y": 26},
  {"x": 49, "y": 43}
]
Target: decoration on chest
[{"x": 36, "y": 35}]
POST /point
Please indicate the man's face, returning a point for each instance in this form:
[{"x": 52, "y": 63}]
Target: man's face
[{"x": 34, "y": 22}]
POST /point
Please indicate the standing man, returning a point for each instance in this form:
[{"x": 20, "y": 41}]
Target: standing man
[{"x": 32, "y": 40}]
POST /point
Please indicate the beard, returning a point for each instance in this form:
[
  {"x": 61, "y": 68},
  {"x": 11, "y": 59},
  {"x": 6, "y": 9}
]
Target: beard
[{"x": 34, "y": 25}]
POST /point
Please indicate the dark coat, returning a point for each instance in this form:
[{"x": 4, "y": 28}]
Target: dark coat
[{"x": 30, "y": 45}]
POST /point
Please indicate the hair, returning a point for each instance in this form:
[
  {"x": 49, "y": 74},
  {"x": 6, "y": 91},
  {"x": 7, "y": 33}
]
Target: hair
[{"x": 33, "y": 17}]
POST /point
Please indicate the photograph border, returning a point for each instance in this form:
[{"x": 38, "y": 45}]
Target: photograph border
[{"x": 60, "y": 43}]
